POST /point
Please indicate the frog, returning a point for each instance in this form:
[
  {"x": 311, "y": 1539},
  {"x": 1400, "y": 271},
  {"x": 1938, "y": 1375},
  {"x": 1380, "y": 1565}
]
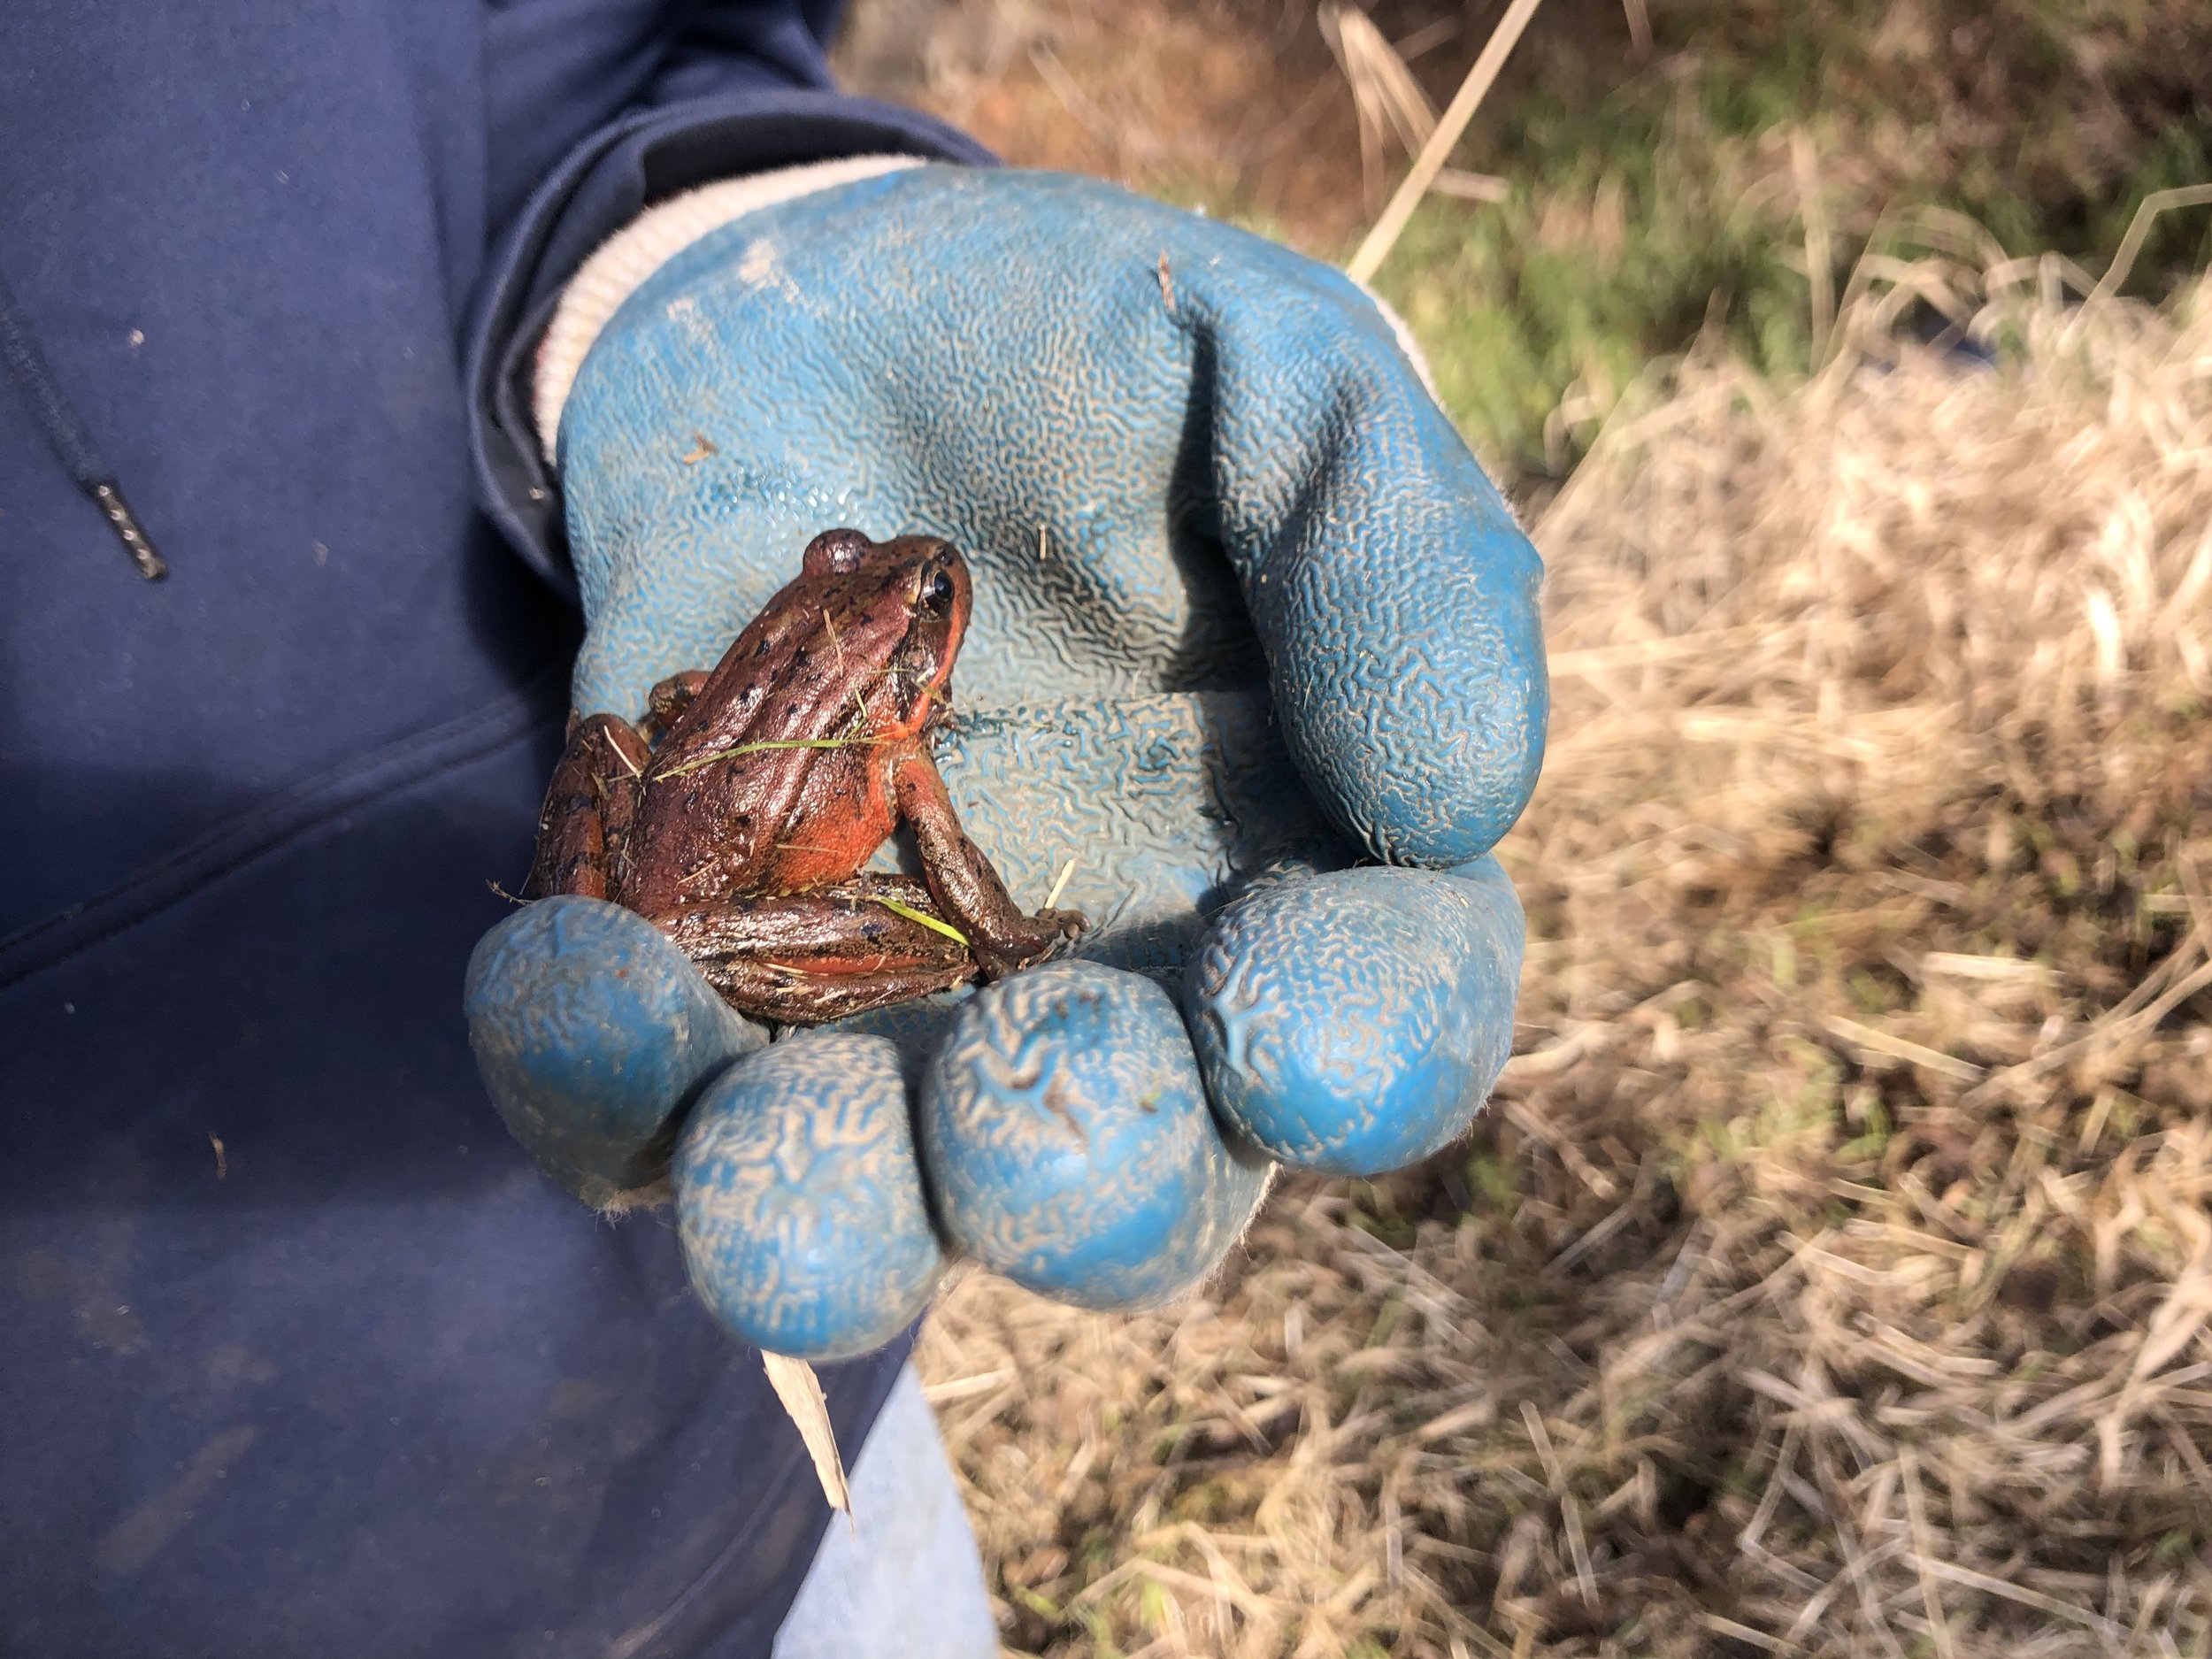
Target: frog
[{"x": 738, "y": 812}]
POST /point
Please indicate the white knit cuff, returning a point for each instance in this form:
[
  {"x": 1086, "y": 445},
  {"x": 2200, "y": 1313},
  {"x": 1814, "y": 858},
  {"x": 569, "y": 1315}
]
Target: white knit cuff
[{"x": 622, "y": 263}]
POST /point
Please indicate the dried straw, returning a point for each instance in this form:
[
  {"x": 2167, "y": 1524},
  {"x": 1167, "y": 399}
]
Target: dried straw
[
  {"x": 1834, "y": 1274},
  {"x": 1383, "y": 235},
  {"x": 1389, "y": 100}
]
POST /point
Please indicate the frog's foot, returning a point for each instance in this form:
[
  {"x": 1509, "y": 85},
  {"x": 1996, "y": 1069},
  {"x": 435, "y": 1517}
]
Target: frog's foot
[
  {"x": 801, "y": 958},
  {"x": 1026, "y": 939},
  {"x": 665, "y": 703}
]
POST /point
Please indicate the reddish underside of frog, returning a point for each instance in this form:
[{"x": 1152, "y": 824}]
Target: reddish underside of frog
[{"x": 741, "y": 832}]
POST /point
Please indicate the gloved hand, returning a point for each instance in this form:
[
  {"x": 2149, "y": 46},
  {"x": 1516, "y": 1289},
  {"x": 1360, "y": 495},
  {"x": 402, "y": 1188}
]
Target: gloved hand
[{"x": 1245, "y": 611}]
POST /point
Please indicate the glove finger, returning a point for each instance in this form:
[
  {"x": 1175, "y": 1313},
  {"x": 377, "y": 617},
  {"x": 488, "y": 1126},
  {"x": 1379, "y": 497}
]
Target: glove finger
[
  {"x": 1066, "y": 1140},
  {"x": 592, "y": 1031},
  {"x": 798, "y": 1201},
  {"x": 1354, "y": 1022},
  {"x": 1393, "y": 593}
]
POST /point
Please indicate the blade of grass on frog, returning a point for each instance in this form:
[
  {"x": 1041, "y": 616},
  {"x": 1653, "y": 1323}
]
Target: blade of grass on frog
[
  {"x": 801, "y": 1392},
  {"x": 922, "y": 916},
  {"x": 764, "y": 747}
]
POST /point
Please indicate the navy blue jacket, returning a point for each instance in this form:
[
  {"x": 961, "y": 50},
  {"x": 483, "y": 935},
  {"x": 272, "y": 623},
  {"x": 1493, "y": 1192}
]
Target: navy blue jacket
[{"x": 300, "y": 1354}]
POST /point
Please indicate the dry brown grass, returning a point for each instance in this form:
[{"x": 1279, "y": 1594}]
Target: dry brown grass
[
  {"x": 1832, "y": 1274},
  {"x": 1229, "y": 102}
]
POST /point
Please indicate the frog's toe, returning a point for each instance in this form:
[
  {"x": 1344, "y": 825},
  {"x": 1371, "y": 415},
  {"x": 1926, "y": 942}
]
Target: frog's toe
[{"x": 1038, "y": 938}]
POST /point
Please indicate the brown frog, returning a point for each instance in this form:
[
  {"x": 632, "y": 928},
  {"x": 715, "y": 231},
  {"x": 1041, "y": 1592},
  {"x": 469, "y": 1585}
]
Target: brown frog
[{"x": 737, "y": 814}]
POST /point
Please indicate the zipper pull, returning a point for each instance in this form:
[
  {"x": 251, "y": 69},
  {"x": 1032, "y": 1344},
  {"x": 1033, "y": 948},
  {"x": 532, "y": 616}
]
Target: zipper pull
[{"x": 109, "y": 500}]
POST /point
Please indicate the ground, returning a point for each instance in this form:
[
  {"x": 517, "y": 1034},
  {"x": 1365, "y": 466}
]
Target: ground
[{"x": 1831, "y": 1273}]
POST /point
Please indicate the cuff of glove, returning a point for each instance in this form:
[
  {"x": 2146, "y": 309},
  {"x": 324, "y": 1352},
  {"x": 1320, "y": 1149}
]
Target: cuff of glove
[
  {"x": 627, "y": 260},
  {"x": 604, "y": 184},
  {"x": 623, "y": 264}
]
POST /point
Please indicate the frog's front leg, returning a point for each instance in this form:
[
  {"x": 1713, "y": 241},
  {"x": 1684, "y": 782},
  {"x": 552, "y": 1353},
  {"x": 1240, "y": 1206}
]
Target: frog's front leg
[
  {"x": 584, "y": 828},
  {"x": 805, "y": 957},
  {"x": 966, "y": 887},
  {"x": 665, "y": 703}
]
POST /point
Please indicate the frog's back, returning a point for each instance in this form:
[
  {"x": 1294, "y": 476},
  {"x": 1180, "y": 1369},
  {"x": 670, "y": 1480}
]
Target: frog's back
[{"x": 776, "y": 775}]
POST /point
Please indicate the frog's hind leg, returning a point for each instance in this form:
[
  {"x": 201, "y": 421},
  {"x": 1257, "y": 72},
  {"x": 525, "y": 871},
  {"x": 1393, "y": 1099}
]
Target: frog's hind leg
[
  {"x": 583, "y": 829},
  {"x": 796, "y": 996},
  {"x": 802, "y": 958}
]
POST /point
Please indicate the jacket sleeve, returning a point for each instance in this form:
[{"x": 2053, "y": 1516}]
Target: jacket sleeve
[{"x": 737, "y": 86}]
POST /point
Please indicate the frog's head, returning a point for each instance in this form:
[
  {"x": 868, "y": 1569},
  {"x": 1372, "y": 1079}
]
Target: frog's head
[{"x": 899, "y": 609}]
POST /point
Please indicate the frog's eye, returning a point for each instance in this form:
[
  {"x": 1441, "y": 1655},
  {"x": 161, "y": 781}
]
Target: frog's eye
[{"x": 937, "y": 592}]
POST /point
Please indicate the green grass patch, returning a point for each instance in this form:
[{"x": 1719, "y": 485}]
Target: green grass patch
[{"x": 1650, "y": 202}]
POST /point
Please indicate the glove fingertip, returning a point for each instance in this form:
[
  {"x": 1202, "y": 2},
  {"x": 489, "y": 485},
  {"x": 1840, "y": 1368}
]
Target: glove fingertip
[
  {"x": 1067, "y": 1139},
  {"x": 592, "y": 1031},
  {"x": 1353, "y": 1022},
  {"x": 798, "y": 1201},
  {"x": 1415, "y": 701}
]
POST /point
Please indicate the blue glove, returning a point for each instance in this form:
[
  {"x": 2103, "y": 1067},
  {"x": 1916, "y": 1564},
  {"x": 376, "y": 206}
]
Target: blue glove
[{"x": 1246, "y": 612}]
